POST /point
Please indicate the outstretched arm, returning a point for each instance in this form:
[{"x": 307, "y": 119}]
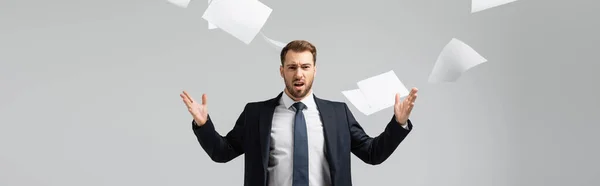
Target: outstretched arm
[
  {"x": 221, "y": 148},
  {"x": 376, "y": 150}
]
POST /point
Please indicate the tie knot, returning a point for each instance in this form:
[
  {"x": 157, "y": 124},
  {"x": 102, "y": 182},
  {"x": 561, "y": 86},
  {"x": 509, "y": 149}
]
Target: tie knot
[{"x": 299, "y": 106}]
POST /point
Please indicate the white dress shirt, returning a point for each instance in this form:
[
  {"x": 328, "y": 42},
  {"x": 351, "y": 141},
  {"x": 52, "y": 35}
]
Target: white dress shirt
[{"x": 281, "y": 164}]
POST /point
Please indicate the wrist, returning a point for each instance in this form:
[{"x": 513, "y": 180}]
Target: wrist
[
  {"x": 199, "y": 123},
  {"x": 401, "y": 122}
]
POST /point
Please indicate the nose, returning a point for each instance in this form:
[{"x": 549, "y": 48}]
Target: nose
[{"x": 298, "y": 73}]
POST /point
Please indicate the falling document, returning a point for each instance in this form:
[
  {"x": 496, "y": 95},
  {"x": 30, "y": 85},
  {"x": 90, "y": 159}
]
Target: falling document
[
  {"x": 180, "y": 3},
  {"x": 241, "y": 19},
  {"x": 277, "y": 44},
  {"x": 376, "y": 93},
  {"x": 455, "y": 59},
  {"x": 480, "y": 5},
  {"x": 210, "y": 25}
]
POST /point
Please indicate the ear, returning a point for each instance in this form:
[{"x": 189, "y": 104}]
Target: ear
[{"x": 281, "y": 71}]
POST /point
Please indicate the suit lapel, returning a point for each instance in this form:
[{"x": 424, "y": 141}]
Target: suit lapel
[
  {"x": 327, "y": 114},
  {"x": 264, "y": 127}
]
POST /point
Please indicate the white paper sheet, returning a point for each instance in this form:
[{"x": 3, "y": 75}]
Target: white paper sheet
[
  {"x": 455, "y": 59},
  {"x": 210, "y": 25},
  {"x": 241, "y": 19},
  {"x": 357, "y": 98},
  {"x": 480, "y": 5},
  {"x": 376, "y": 93},
  {"x": 276, "y": 44},
  {"x": 180, "y": 3}
]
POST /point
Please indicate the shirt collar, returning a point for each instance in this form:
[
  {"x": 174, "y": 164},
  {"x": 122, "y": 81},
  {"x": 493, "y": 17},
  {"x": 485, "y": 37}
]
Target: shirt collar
[{"x": 309, "y": 101}]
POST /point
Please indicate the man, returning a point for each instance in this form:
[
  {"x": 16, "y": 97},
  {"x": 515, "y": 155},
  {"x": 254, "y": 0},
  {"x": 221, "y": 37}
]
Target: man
[{"x": 296, "y": 138}]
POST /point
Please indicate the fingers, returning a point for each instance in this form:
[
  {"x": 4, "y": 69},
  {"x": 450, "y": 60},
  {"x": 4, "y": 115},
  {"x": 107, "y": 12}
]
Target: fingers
[
  {"x": 413, "y": 98},
  {"x": 397, "y": 98},
  {"x": 409, "y": 101},
  {"x": 188, "y": 96},
  {"x": 413, "y": 91},
  {"x": 413, "y": 95},
  {"x": 410, "y": 107},
  {"x": 186, "y": 100}
]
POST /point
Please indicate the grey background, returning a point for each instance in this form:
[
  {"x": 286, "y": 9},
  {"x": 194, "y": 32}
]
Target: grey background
[{"x": 89, "y": 89}]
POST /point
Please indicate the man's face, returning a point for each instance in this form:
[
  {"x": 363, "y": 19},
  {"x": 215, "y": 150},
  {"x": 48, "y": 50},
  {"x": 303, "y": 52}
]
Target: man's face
[{"x": 298, "y": 71}]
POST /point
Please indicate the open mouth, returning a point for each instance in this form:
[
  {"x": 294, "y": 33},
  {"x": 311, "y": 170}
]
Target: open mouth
[{"x": 298, "y": 85}]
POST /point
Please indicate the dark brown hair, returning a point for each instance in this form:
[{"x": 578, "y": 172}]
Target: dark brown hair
[{"x": 299, "y": 46}]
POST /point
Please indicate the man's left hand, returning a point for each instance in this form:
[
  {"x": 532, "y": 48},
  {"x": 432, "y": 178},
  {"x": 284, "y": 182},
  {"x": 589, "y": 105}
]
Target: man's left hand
[{"x": 402, "y": 109}]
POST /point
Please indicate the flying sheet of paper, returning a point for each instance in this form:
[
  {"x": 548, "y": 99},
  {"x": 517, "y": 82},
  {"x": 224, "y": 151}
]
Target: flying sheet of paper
[
  {"x": 277, "y": 44},
  {"x": 480, "y": 5},
  {"x": 180, "y": 3},
  {"x": 241, "y": 19},
  {"x": 376, "y": 93},
  {"x": 455, "y": 59},
  {"x": 210, "y": 25},
  {"x": 359, "y": 101}
]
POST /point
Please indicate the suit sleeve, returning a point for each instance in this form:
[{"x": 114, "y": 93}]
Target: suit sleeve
[
  {"x": 221, "y": 148},
  {"x": 375, "y": 150}
]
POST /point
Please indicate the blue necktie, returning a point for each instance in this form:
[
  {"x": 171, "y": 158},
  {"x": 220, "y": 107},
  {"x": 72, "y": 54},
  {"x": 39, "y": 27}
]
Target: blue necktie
[{"x": 300, "y": 174}]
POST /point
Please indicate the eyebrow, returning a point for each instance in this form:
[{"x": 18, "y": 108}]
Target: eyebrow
[{"x": 297, "y": 65}]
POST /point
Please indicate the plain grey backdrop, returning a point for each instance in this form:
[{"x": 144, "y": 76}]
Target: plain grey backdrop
[{"x": 89, "y": 90}]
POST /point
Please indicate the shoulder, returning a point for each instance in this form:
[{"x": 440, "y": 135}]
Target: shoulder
[
  {"x": 337, "y": 105},
  {"x": 332, "y": 102},
  {"x": 261, "y": 103}
]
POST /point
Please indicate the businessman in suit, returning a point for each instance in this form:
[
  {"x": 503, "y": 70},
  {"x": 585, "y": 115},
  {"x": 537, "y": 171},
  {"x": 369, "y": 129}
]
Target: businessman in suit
[{"x": 297, "y": 138}]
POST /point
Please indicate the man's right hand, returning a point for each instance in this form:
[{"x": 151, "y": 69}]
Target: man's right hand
[{"x": 198, "y": 111}]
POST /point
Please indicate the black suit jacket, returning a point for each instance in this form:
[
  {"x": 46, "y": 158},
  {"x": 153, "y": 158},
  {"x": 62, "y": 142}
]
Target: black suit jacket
[{"x": 251, "y": 136}]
